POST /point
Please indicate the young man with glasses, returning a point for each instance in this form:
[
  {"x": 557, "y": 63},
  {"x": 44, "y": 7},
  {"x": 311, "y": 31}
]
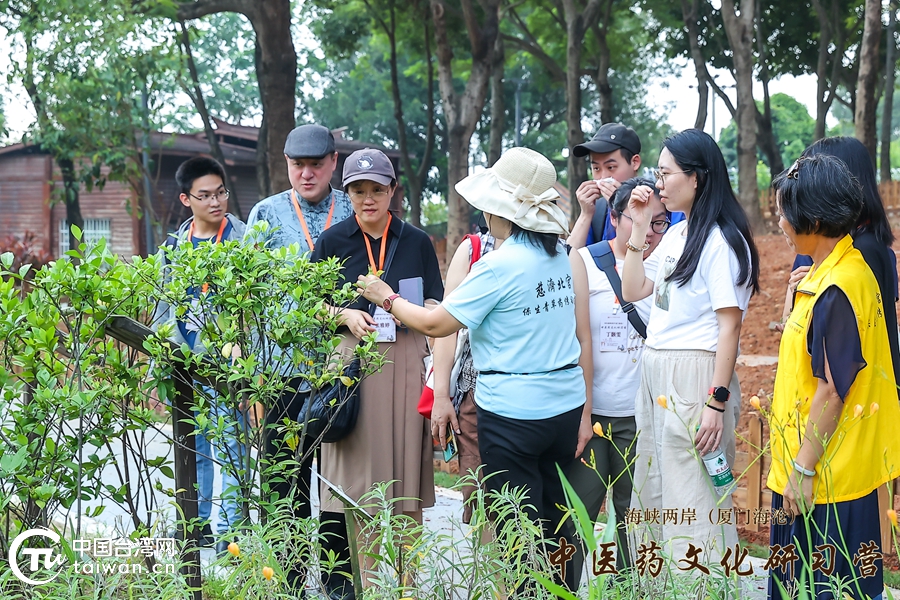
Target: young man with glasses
[
  {"x": 297, "y": 216},
  {"x": 201, "y": 181},
  {"x": 615, "y": 157}
]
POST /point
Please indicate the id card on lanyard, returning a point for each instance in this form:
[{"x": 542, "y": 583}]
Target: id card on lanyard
[
  {"x": 309, "y": 240},
  {"x": 384, "y": 322}
]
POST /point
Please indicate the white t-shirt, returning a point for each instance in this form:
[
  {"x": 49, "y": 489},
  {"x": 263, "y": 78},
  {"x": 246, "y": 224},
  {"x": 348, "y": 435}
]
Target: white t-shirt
[
  {"x": 617, "y": 364},
  {"x": 683, "y": 317}
]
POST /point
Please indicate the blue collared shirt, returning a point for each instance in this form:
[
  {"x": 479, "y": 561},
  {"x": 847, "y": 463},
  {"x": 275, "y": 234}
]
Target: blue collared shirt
[{"x": 284, "y": 226}]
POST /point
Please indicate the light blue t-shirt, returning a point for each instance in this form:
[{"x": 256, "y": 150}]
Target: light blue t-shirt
[{"x": 519, "y": 306}]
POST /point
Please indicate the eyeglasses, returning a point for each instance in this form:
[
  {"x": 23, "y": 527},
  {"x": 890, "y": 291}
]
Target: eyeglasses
[
  {"x": 660, "y": 176},
  {"x": 221, "y": 195},
  {"x": 657, "y": 226},
  {"x": 360, "y": 195}
]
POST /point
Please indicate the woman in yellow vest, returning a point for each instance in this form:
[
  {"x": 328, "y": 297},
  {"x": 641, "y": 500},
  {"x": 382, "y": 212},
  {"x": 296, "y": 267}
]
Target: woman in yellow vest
[{"x": 834, "y": 413}]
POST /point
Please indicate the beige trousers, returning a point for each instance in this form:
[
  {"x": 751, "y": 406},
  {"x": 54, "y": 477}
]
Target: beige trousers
[{"x": 669, "y": 475}]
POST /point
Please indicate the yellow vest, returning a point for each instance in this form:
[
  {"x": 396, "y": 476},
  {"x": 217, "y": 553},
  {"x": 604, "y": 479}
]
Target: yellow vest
[{"x": 864, "y": 451}]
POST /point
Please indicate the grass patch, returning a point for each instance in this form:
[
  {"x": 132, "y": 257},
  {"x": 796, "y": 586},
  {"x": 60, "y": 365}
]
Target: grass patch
[
  {"x": 892, "y": 578},
  {"x": 756, "y": 550},
  {"x": 445, "y": 480}
]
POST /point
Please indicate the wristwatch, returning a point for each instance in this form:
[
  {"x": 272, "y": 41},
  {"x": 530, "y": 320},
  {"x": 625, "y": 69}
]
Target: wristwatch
[
  {"x": 389, "y": 302},
  {"x": 719, "y": 393}
]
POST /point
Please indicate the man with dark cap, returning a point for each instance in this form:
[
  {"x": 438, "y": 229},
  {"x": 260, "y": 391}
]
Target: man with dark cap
[
  {"x": 615, "y": 155},
  {"x": 298, "y": 215},
  {"x": 311, "y": 206}
]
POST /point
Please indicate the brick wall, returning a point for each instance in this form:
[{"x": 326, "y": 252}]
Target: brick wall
[
  {"x": 112, "y": 202},
  {"x": 24, "y": 190}
]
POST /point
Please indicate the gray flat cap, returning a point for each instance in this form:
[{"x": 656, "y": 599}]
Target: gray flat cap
[{"x": 309, "y": 141}]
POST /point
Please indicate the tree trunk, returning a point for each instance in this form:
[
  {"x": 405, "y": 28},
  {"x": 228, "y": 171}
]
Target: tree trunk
[
  {"x": 463, "y": 110},
  {"x": 278, "y": 77},
  {"x": 276, "y": 69},
  {"x": 829, "y": 28},
  {"x": 739, "y": 28},
  {"x": 196, "y": 95},
  {"x": 766, "y": 140},
  {"x": 498, "y": 105},
  {"x": 575, "y": 167},
  {"x": 690, "y": 10},
  {"x": 415, "y": 177},
  {"x": 887, "y": 111},
  {"x": 604, "y": 89},
  {"x": 866, "y": 100},
  {"x": 263, "y": 183},
  {"x": 71, "y": 197}
]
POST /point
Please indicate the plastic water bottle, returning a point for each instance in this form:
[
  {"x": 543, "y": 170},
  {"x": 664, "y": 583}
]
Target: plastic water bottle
[{"x": 719, "y": 472}]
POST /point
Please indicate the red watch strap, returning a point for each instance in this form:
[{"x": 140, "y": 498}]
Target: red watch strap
[{"x": 390, "y": 301}]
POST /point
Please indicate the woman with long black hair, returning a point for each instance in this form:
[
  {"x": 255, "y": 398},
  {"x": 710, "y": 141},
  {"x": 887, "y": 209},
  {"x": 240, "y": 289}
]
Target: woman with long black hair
[{"x": 688, "y": 402}]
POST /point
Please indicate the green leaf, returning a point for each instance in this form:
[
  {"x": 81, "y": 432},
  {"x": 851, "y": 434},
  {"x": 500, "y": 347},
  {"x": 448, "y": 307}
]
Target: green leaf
[
  {"x": 6, "y": 259},
  {"x": 76, "y": 232}
]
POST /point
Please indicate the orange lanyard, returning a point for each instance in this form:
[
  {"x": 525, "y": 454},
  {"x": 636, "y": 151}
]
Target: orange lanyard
[
  {"x": 218, "y": 239},
  {"x": 309, "y": 239},
  {"x": 369, "y": 246}
]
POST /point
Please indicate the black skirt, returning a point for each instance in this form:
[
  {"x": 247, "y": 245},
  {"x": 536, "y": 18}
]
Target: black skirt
[{"x": 843, "y": 539}]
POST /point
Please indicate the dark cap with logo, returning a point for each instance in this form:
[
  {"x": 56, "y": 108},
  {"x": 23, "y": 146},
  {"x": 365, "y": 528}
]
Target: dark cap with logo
[
  {"x": 609, "y": 138},
  {"x": 309, "y": 141},
  {"x": 368, "y": 164}
]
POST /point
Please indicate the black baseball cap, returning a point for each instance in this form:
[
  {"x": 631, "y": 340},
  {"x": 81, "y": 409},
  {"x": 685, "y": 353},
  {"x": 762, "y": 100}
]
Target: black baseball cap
[
  {"x": 609, "y": 138},
  {"x": 309, "y": 141}
]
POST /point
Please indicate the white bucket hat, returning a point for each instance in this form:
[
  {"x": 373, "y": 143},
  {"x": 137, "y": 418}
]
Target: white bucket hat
[{"x": 519, "y": 188}]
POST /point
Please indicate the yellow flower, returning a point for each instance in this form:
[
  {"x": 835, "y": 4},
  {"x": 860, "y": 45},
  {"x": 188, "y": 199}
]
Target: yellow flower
[
  {"x": 857, "y": 410},
  {"x": 873, "y": 408},
  {"x": 892, "y": 515},
  {"x": 234, "y": 550},
  {"x": 662, "y": 401},
  {"x": 268, "y": 573},
  {"x": 598, "y": 429},
  {"x": 754, "y": 402}
]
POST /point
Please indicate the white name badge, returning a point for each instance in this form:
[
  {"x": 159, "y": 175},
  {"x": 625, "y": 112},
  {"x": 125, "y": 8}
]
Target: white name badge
[
  {"x": 387, "y": 328},
  {"x": 614, "y": 332}
]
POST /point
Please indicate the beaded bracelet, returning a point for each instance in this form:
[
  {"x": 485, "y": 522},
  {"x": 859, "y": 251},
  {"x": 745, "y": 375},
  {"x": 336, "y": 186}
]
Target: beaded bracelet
[{"x": 634, "y": 248}]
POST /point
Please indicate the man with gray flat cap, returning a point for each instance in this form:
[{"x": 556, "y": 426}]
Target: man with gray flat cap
[
  {"x": 298, "y": 215},
  {"x": 311, "y": 206}
]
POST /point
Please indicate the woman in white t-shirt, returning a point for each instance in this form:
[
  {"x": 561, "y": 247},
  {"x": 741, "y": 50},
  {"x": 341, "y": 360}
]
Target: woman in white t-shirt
[
  {"x": 617, "y": 349},
  {"x": 706, "y": 269}
]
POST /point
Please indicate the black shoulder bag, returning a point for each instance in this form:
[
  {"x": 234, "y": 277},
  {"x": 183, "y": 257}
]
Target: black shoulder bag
[
  {"x": 330, "y": 413},
  {"x": 606, "y": 262}
]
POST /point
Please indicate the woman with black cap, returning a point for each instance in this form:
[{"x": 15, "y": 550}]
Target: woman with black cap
[{"x": 391, "y": 441}]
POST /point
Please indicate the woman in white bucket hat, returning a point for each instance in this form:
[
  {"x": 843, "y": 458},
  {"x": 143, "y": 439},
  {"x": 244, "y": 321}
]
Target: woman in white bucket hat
[{"x": 526, "y": 307}]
